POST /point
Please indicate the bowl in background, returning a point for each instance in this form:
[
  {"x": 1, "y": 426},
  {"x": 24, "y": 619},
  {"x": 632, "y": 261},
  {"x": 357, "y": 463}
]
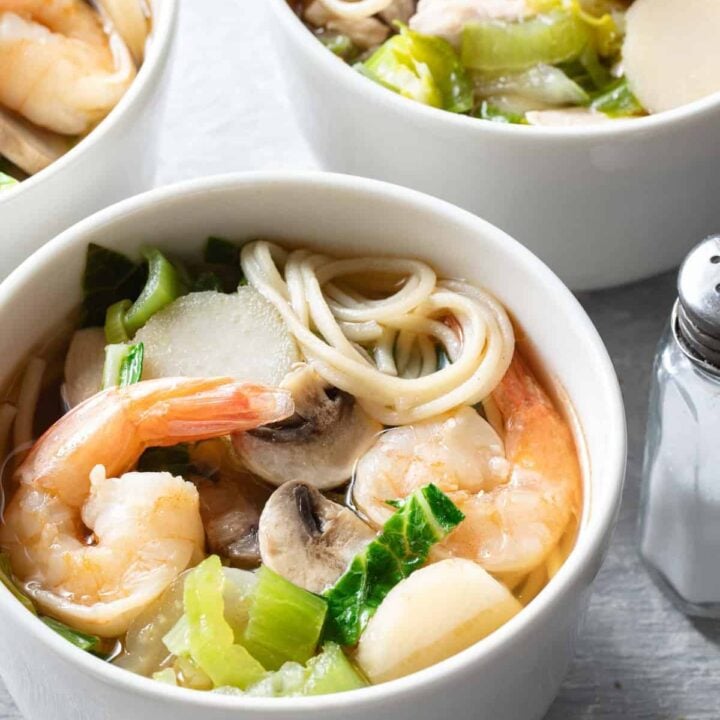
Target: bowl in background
[
  {"x": 511, "y": 675},
  {"x": 114, "y": 161},
  {"x": 601, "y": 205}
]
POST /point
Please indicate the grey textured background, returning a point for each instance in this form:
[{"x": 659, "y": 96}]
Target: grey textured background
[{"x": 637, "y": 658}]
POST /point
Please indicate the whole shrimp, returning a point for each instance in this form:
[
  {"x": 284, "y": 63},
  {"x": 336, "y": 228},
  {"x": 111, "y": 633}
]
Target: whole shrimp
[
  {"x": 518, "y": 496},
  {"x": 94, "y": 544},
  {"x": 59, "y": 68}
]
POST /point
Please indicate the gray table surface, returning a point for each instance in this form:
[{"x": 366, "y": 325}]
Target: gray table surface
[{"x": 637, "y": 657}]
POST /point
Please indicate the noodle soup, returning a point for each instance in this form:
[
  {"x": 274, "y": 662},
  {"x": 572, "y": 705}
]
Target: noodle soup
[
  {"x": 556, "y": 63},
  {"x": 263, "y": 469},
  {"x": 64, "y": 65}
]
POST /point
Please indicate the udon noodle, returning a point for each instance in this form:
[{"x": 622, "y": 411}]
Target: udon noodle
[{"x": 349, "y": 336}]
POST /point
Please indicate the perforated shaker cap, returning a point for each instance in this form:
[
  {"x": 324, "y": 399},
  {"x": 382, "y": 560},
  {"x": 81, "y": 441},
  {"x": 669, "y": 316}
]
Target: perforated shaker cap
[{"x": 698, "y": 310}]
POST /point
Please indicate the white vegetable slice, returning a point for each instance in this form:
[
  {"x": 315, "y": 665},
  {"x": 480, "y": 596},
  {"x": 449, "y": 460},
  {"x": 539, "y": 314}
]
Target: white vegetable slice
[
  {"x": 671, "y": 53},
  {"x": 433, "y": 614},
  {"x": 208, "y": 334},
  {"x": 84, "y": 364}
]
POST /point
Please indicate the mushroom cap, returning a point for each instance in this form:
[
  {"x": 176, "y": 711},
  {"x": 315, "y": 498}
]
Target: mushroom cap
[
  {"x": 307, "y": 538},
  {"x": 319, "y": 445}
]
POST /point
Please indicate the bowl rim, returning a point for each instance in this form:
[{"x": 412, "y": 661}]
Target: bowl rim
[
  {"x": 153, "y": 65},
  {"x": 591, "y": 542},
  {"x": 438, "y": 118}
]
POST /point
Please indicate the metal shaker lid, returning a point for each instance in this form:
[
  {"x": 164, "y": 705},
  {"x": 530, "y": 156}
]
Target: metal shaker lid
[{"x": 698, "y": 311}]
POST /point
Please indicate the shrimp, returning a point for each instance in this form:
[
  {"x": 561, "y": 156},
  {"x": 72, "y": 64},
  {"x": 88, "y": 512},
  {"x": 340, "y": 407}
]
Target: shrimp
[
  {"x": 518, "y": 496},
  {"x": 94, "y": 544},
  {"x": 58, "y": 66}
]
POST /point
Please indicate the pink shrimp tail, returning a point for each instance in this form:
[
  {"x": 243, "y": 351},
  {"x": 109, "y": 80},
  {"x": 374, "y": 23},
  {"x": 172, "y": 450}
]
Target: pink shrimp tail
[{"x": 191, "y": 409}]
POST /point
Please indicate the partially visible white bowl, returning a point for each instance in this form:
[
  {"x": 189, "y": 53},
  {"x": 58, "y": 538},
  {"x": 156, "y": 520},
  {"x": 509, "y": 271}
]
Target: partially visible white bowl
[
  {"x": 601, "y": 205},
  {"x": 511, "y": 675},
  {"x": 116, "y": 160}
]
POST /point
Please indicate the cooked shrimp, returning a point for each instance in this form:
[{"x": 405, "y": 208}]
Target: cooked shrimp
[
  {"x": 518, "y": 496},
  {"x": 93, "y": 546},
  {"x": 58, "y": 66}
]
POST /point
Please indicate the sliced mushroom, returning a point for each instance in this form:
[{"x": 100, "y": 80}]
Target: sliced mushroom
[
  {"x": 29, "y": 147},
  {"x": 307, "y": 538},
  {"x": 319, "y": 445}
]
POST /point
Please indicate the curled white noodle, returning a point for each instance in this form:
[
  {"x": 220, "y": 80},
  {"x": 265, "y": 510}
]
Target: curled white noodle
[
  {"x": 27, "y": 401},
  {"x": 393, "y": 373},
  {"x": 357, "y": 10}
]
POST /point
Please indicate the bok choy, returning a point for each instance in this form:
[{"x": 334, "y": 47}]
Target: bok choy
[
  {"x": 422, "y": 68},
  {"x": 123, "y": 365},
  {"x": 422, "y": 519}
]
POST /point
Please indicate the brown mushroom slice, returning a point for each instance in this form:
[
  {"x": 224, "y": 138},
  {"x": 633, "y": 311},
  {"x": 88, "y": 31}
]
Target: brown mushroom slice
[
  {"x": 29, "y": 147},
  {"x": 309, "y": 539},
  {"x": 319, "y": 445}
]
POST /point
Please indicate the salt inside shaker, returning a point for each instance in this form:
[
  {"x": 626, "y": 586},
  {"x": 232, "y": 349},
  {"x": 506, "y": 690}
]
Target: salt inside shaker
[{"x": 680, "y": 507}]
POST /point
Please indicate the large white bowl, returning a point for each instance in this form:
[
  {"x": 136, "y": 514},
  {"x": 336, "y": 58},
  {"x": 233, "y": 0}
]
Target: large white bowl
[
  {"x": 601, "y": 205},
  {"x": 116, "y": 160},
  {"x": 511, "y": 675}
]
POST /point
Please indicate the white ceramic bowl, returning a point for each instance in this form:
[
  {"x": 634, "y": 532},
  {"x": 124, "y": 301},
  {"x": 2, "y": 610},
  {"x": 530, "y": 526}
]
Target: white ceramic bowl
[
  {"x": 601, "y": 205},
  {"x": 511, "y": 675},
  {"x": 116, "y": 160}
]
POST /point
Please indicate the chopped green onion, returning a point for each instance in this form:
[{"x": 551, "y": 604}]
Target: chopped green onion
[
  {"x": 618, "y": 101},
  {"x": 115, "y": 330},
  {"x": 285, "y": 621},
  {"x": 423, "y": 519},
  {"x": 221, "y": 252},
  {"x": 210, "y": 637},
  {"x": 489, "y": 111},
  {"x": 89, "y": 643},
  {"x": 6, "y": 578},
  {"x": 7, "y": 182},
  {"x": 123, "y": 365},
  {"x": 163, "y": 285},
  {"x": 340, "y": 45},
  {"x": 332, "y": 672},
  {"x": 423, "y": 68},
  {"x": 493, "y": 46}
]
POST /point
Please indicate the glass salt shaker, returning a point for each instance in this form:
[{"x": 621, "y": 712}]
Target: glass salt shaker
[{"x": 680, "y": 506}]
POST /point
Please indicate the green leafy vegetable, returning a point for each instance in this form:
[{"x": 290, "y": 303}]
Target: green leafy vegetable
[
  {"x": 108, "y": 278},
  {"x": 332, "y": 672},
  {"x": 175, "y": 460},
  {"x": 210, "y": 638},
  {"x": 89, "y": 643},
  {"x": 163, "y": 285},
  {"x": 618, "y": 101},
  {"x": 339, "y": 44},
  {"x": 219, "y": 251},
  {"x": 115, "y": 330},
  {"x": 6, "y": 578},
  {"x": 207, "y": 280},
  {"x": 423, "y": 519},
  {"x": 493, "y": 46},
  {"x": 123, "y": 365},
  {"x": 422, "y": 68},
  {"x": 285, "y": 621},
  {"x": 7, "y": 182},
  {"x": 488, "y": 111},
  {"x": 328, "y": 672}
]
